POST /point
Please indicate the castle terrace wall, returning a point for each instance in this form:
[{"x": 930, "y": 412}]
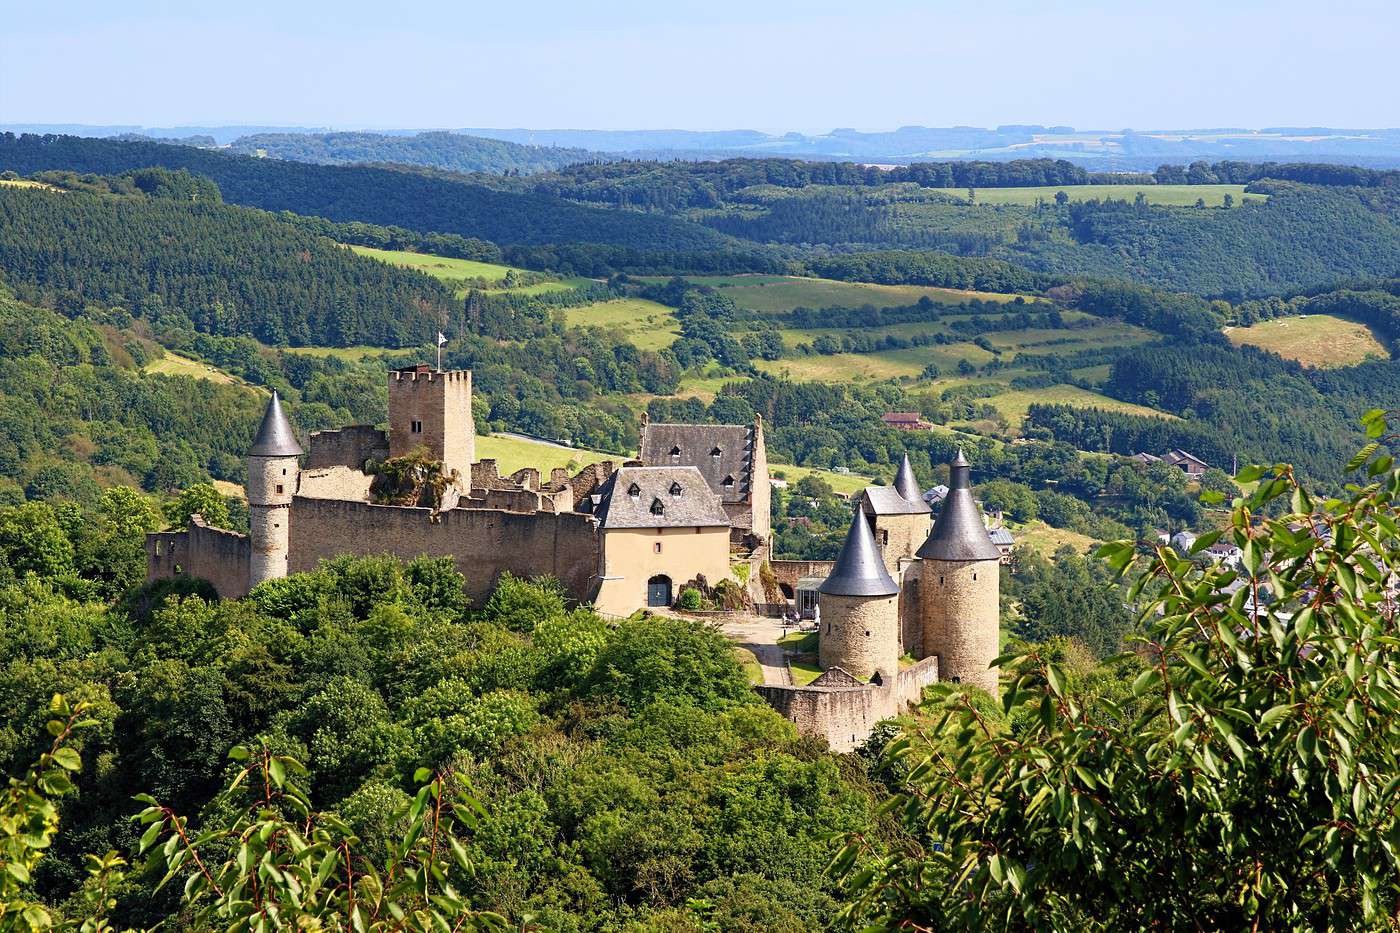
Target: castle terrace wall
[
  {"x": 844, "y": 715},
  {"x": 349, "y": 447},
  {"x": 788, "y": 572},
  {"x": 484, "y": 542},
  {"x": 214, "y": 554}
]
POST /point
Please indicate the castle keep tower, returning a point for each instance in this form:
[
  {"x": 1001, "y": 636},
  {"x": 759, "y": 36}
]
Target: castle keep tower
[
  {"x": 433, "y": 409},
  {"x": 960, "y": 588},
  {"x": 860, "y": 610},
  {"x": 272, "y": 478}
]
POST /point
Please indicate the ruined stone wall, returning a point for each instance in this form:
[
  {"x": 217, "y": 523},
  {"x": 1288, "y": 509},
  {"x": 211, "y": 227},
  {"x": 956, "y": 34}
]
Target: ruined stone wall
[
  {"x": 960, "y": 606},
  {"x": 349, "y": 447},
  {"x": 860, "y": 634},
  {"x": 440, "y": 406},
  {"x": 484, "y": 543},
  {"x": 212, "y": 554},
  {"x": 846, "y": 715},
  {"x": 334, "y": 482}
]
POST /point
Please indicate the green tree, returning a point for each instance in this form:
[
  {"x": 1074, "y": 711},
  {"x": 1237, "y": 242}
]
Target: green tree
[
  {"x": 200, "y": 499},
  {"x": 1255, "y": 788},
  {"x": 33, "y": 541}
]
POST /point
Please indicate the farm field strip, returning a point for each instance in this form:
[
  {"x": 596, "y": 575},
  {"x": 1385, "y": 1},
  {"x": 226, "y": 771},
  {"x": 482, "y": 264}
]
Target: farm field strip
[{"x": 775, "y": 293}]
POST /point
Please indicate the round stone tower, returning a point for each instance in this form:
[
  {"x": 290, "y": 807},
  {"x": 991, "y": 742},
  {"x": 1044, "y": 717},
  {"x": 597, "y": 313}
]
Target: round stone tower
[
  {"x": 860, "y": 610},
  {"x": 960, "y": 588},
  {"x": 272, "y": 478}
]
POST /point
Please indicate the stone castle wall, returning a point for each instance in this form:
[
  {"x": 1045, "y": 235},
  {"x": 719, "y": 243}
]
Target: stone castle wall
[
  {"x": 213, "y": 554},
  {"x": 860, "y": 635},
  {"x": 788, "y": 572},
  {"x": 844, "y": 714},
  {"x": 484, "y": 543},
  {"x": 899, "y": 537},
  {"x": 349, "y": 447},
  {"x": 961, "y": 609}
]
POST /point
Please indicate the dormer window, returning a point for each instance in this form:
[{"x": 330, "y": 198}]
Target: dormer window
[
  {"x": 716, "y": 453},
  {"x": 675, "y": 489},
  {"x": 634, "y": 491},
  {"x": 728, "y": 482},
  {"x": 658, "y": 507},
  {"x": 675, "y": 454}
]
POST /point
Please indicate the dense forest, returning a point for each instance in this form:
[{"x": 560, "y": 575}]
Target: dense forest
[
  {"x": 374, "y": 195},
  {"x": 452, "y": 151},
  {"x": 230, "y": 270}
]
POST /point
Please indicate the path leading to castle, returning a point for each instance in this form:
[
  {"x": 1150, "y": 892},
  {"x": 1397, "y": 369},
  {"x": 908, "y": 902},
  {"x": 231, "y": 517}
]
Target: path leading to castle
[{"x": 760, "y": 635}]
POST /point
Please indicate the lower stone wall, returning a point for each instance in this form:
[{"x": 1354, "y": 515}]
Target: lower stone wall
[
  {"x": 214, "y": 554},
  {"x": 845, "y": 716},
  {"x": 484, "y": 543}
]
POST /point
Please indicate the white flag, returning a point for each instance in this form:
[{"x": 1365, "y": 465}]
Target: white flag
[{"x": 441, "y": 339}]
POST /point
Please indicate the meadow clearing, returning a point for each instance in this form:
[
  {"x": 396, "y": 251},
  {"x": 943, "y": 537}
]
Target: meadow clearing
[
  {"x": 1322, "y": 341},
  {"x": 769, "y": 294},
  {"x": 647, "y": 324}
]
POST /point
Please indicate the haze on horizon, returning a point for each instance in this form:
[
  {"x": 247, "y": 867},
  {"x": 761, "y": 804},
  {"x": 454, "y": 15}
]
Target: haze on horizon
[{"x": 776, "y": 66}]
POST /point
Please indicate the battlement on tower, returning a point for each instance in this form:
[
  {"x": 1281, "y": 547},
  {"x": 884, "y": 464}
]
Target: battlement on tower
[{"x": 433, "y": 410}]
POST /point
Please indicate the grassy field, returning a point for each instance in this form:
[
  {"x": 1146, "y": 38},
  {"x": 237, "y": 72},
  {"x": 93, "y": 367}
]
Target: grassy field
[
  {"x": 1168, "y": 195},
  {"x": 844, "y": 483},
  {"x": 514, "y": 453},
  {"x": 873, "y": 367},
  {"x": 26, "y": 183},
  {"x": 173, "y": 364},
  {"x": 1048, "y": 540},
  {"x": 775, "y": 293},
  {"x": 442, "y": 267},
  {"x": 648, "y": 325},
  {"x": 1322, "y": 341},
  {"x": 1014, "y": 405}
]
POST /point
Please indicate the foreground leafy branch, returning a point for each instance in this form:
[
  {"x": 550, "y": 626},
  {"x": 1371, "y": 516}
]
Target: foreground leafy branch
[
  {"x": 277, "y": 864},
  {"x": 1251, "y": 782}
]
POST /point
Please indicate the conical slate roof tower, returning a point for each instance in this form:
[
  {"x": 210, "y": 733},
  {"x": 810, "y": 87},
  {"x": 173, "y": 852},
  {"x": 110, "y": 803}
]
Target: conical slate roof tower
[
  {"x": 958, "y": 533},
  {"x": 275, "y": 436},
  {"x": 906, "y": 483},
  {"x": 859, "y": 571}
]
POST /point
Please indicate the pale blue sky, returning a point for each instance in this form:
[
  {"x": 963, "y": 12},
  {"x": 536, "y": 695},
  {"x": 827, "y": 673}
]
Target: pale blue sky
[{"x": 719, "y": 64}]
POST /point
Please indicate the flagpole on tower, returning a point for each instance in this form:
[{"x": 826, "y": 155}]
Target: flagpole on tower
[{"x": 440, "y": 341}]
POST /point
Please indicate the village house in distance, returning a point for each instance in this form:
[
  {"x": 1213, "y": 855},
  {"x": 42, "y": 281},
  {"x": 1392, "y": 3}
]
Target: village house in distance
[{"x": 694, "y": 507}]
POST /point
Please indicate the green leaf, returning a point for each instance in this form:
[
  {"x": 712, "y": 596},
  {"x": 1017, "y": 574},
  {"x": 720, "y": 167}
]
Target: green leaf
[
  {"x": 1055, "y": 679},
  {"x": 1362, "y": 456},
  {"x": 277, "y": 771},
  {"x": 239, "y": 753},
  {"x": 1274, "y": 714},
  {"x": 69, "y": 759}
]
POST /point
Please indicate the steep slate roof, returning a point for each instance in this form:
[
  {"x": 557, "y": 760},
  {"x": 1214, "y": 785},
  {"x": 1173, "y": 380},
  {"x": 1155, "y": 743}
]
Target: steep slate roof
[
  {"x": 275, "y": 436},
  {"x": 959, "y": 534},
  {"x": 906, "y": 482},
  {"x": 859, "y": 571},
  {"x": 695, "y": 444},
  {"x": 692, "y": 505},
  {"x": 1000, "y": 536}
]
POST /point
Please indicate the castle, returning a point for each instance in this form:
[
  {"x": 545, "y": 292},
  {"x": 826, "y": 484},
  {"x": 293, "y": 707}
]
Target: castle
[
  {"x": 908, "y": 601},
  {"x": 622, "y": 537}
]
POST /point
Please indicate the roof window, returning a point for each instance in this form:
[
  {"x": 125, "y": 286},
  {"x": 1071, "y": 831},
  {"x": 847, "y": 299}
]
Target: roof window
[
  {"x": 634, "y": 491},
  {"x": 675, "y": 489},
  {"x": 658, "y": 507}
]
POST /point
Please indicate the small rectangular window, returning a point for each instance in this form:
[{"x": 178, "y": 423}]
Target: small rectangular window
[
  {"x": 657, "y": 547},
  {"x": 416, "y": 427},
  {"x": 279, "y": 489}
]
